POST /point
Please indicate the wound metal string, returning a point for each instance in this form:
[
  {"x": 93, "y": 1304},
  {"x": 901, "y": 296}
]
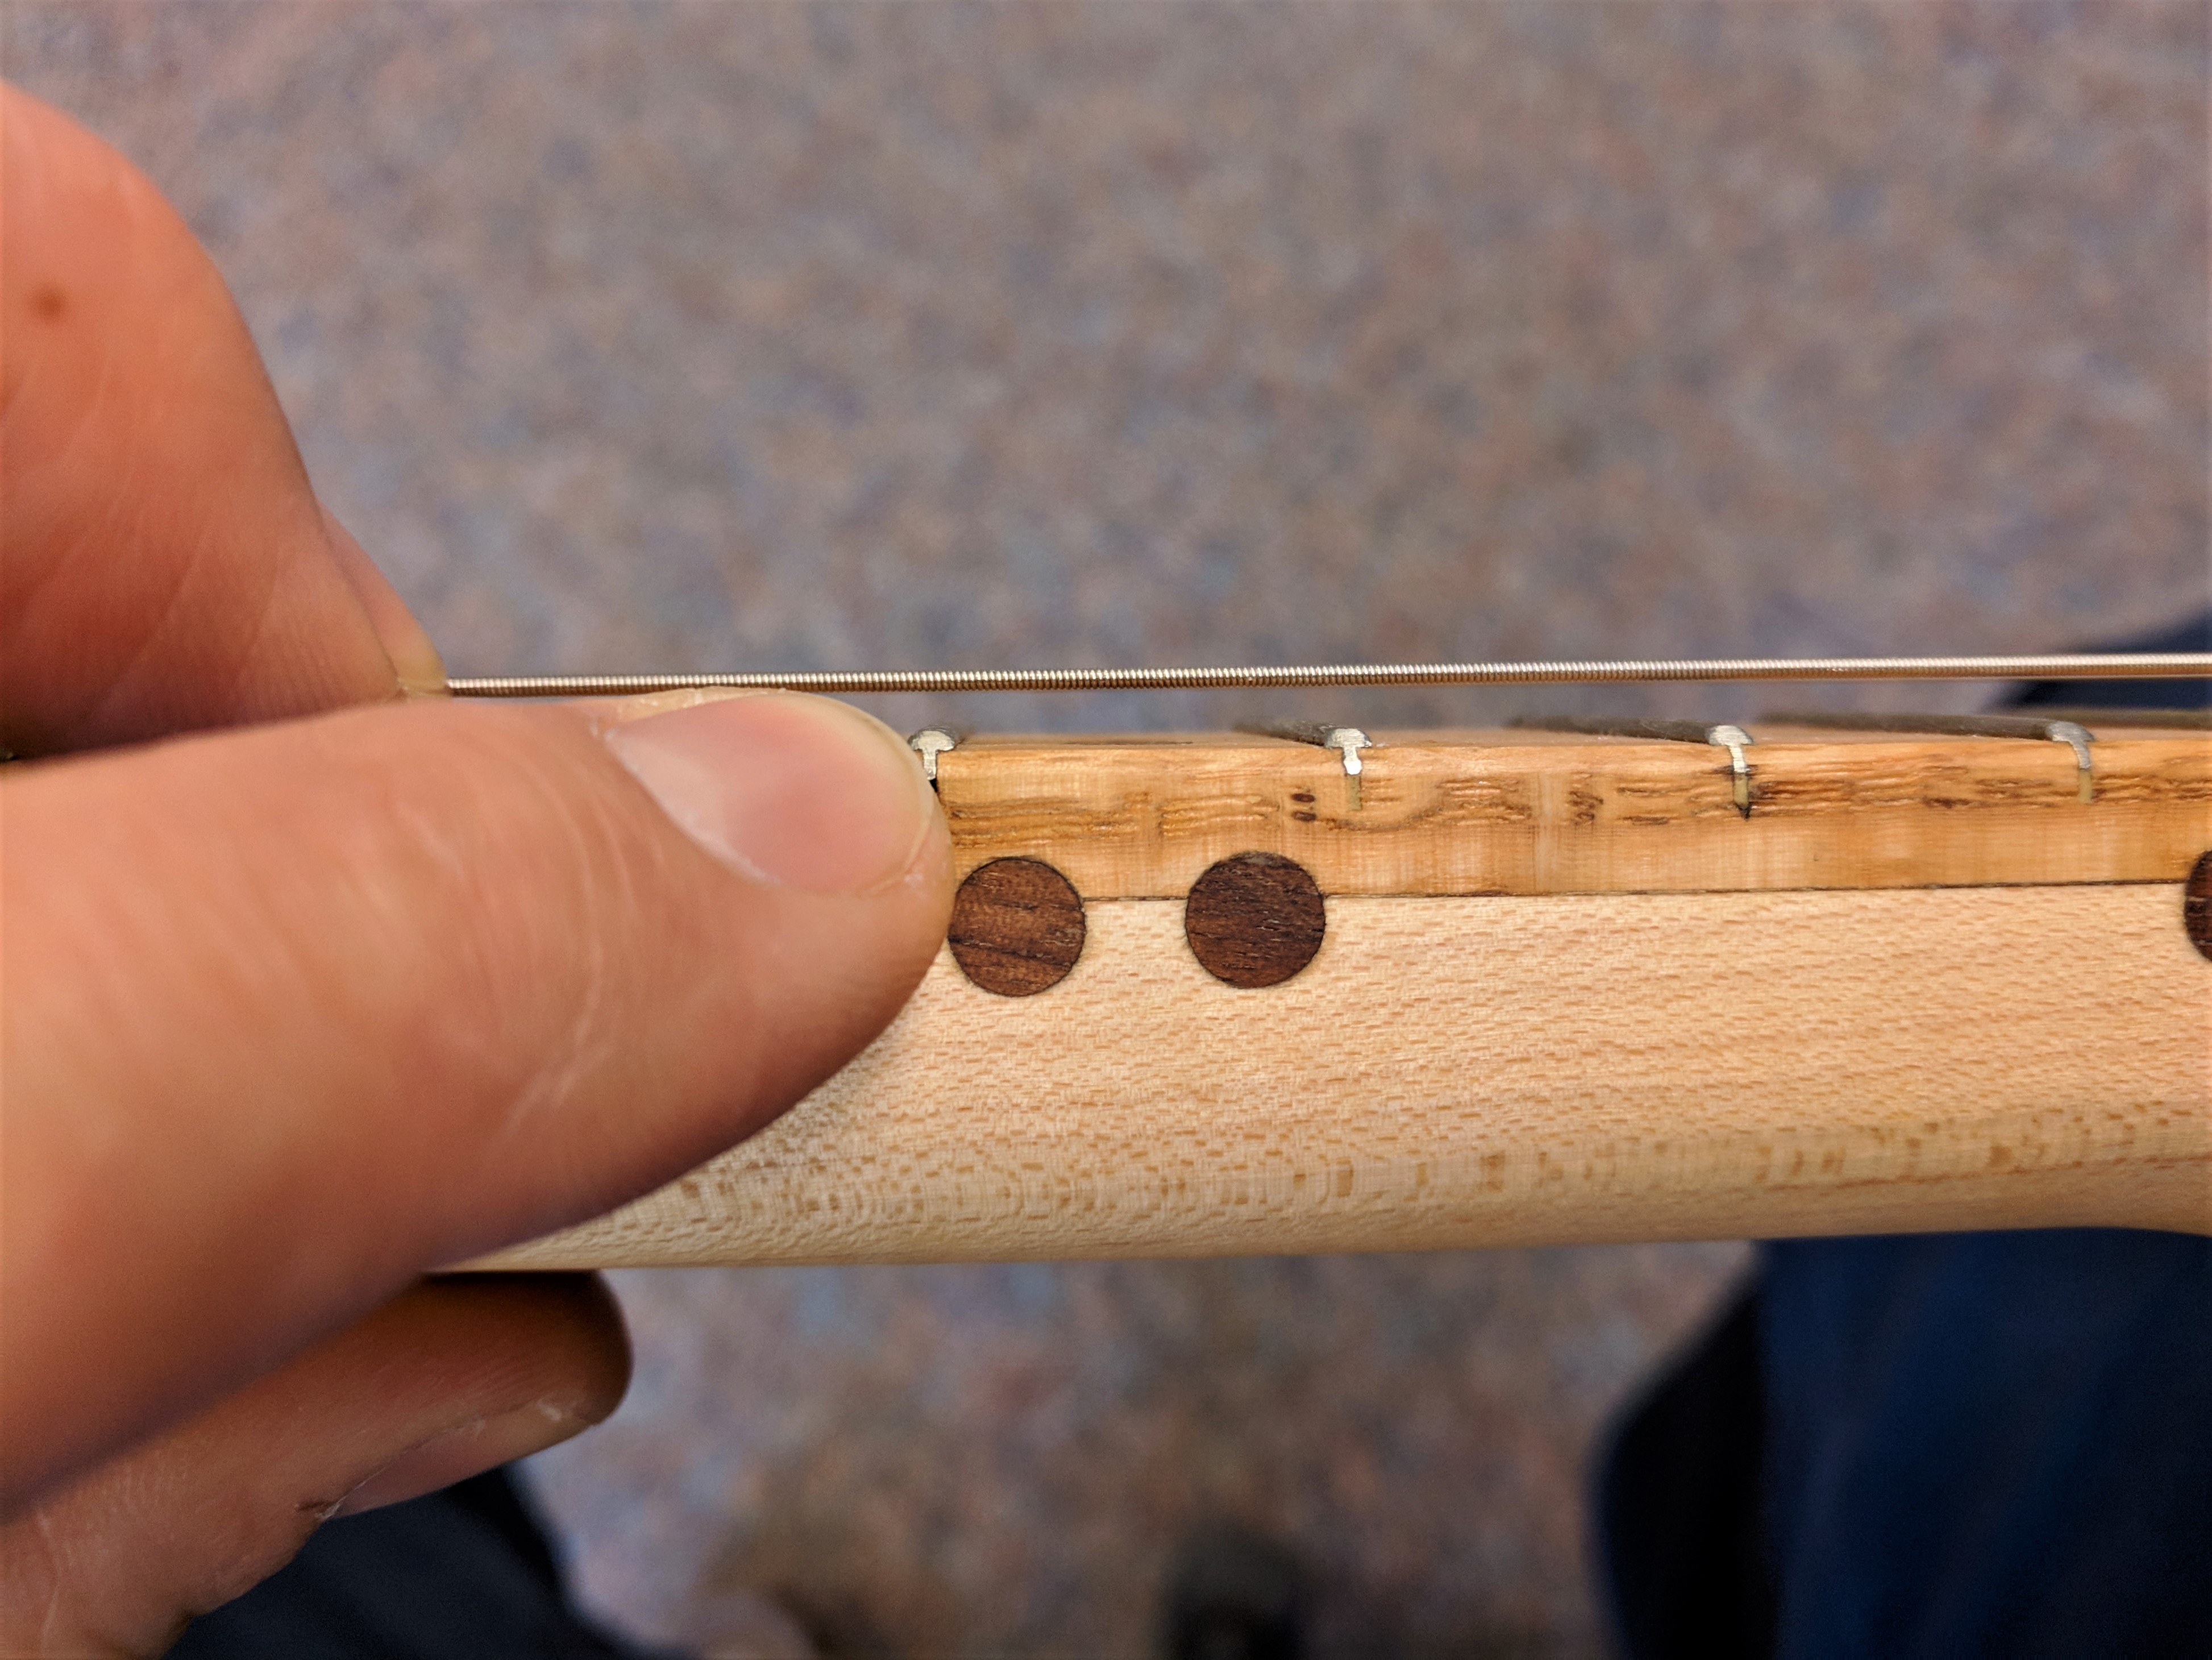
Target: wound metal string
[{"x": 2121, "y": 665}]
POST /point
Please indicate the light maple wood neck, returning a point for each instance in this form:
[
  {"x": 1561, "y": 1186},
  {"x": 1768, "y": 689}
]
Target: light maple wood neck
[{"x": 1214, "y": 993}]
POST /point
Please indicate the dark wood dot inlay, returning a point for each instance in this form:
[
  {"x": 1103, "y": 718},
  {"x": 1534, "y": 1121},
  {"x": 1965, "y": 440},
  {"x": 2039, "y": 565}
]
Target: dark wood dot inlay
[
  {"x": 1254, "y": 919},
  {"x": 2196, "y": 904},
  {"x": 1017, "y": 926}
]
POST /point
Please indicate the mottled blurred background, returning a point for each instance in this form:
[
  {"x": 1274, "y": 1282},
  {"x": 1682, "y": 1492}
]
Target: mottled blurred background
[{"x": 831, "y": 334}]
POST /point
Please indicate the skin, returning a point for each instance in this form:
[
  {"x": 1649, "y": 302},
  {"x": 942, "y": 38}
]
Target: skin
[{"x": 314, "y": 980}]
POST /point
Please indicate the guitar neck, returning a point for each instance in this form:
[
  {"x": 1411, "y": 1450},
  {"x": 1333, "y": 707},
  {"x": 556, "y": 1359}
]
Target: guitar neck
[{"x": 1324, "y": 990}]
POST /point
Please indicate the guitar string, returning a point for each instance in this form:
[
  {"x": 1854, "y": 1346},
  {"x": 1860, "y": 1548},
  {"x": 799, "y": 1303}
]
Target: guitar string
[{"x": 2125, "y": 666}]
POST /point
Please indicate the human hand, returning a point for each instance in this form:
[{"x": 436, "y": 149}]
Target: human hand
[{"x": 350, "y": 983}]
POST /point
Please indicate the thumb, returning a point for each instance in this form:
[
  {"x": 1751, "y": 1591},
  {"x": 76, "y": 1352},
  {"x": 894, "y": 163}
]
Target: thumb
[{"x": 297, "y": 1012}]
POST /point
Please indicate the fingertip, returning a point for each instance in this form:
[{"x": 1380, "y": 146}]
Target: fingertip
[
  {"x": 452, "y": 1377},
  {"x": 790, "y": 791},
  {"x": 573, "y": 1326},
  {"x": 564, "y": 1364}
]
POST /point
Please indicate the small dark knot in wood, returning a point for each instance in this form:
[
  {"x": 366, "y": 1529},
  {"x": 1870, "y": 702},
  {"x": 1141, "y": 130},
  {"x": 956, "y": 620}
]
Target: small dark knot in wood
[
  {"x": 2197, "y": 905},
  {"x": 1255, "y": 920},
  {"x": 1017, "y": 926}
]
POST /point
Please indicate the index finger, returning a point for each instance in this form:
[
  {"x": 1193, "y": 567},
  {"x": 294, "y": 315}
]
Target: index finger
[{"x": 167, "y": 565}]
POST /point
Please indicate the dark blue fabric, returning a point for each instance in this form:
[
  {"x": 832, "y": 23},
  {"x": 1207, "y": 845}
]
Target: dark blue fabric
[
  {"x": 464, "y": 1574},
  {"x": 1680, "y": 1523},
  {"x": 1989, "y": 1445},
  {"x": 1926, "y": 1447}
]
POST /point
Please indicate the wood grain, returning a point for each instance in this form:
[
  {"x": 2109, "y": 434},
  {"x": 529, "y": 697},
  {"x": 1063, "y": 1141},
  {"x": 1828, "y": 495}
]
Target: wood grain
[
  {"x": 1255, "y": 920},
  {"x": 1623, "y": 1067},
  {"x": 1522, "y": 812},
  {"x": 1017, "y": 926}
]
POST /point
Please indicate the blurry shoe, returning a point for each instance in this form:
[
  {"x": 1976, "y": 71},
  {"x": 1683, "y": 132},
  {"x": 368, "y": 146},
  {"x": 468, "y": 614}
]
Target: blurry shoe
[{"x": 1232, "y": 1595}]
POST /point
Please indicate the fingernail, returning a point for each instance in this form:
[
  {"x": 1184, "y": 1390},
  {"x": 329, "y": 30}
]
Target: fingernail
[
  {"x": 468, "y": 1449},
  {"x": 800, "y": 792},
  {"x": 420, "y": 670}
]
